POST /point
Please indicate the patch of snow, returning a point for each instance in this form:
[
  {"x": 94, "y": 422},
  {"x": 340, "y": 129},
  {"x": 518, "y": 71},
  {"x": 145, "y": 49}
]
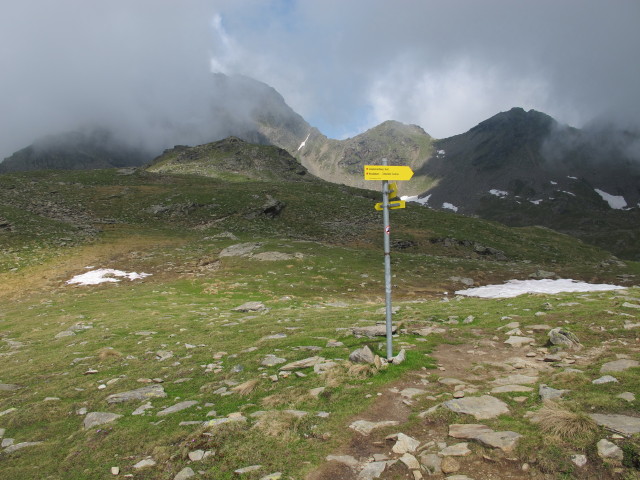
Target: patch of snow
[
  {"x": 572, "y": 178},
  {"x": 498, "y": 193},
  {"x": 415, "y": 199},
  {"x": 568, "y": 193},
  {"x": 614, "y": 201},
  {"x": 304, "y": 142},
  {"x": 536, "y": 202},
  {"x": 553, "y": 183},
  {"x": 103, "y": 275},
  {"x": 450, "y": 206},
  {"x": 513, "y": 288},
  {"x": 441, "y": 153}
]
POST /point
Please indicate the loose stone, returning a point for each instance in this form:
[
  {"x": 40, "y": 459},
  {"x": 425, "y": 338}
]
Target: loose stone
[
  {"x": 99, "y": 418},
  {"x": 605, "y": 379},
  {"x": 618, "y": 366},
  {"x": 481, "y": 408},
  {"x": 185, "y": 473},
  {"x": 365, "y": 427},
  {"x": 147, "y": 462},
  {"x": 144, "y": 393},
  {"x": 623, "y": 424},
  {"x": 177, "y": 408},
  {"x": 609, "y": 451}
]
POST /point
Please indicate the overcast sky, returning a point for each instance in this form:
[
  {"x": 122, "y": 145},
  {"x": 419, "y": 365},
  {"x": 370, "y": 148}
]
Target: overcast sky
[{"x": 344, "y": 65}]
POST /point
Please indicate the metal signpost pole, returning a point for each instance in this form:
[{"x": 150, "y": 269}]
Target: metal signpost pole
[
  {"x": 385, "y": 172},
  {"x": 387, "y": 262}
]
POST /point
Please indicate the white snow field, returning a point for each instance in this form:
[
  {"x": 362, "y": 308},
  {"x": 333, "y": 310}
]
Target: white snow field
[
  {"x": 513, "y": 288},
  {"x": 103, "y": 275}
]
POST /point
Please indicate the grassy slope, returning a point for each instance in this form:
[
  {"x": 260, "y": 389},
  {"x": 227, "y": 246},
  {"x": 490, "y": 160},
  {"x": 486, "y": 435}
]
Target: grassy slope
[{"x": 188, "y": 301}]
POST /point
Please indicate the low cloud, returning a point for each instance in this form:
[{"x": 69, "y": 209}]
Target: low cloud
[{"x": 143, "y": 68}]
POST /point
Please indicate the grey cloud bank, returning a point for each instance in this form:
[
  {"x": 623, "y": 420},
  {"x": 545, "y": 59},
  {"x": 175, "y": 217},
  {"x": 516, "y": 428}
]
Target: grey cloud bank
[{"x": 144, "y": 67}]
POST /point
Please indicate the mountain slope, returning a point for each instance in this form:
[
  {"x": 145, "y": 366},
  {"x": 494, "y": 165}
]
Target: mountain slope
[
  {"x": 82, "y": 150},
  {"x": 231, "y": 157},
  {"x": 528, "y": 156},
  {"x": 342, "y": 161}
]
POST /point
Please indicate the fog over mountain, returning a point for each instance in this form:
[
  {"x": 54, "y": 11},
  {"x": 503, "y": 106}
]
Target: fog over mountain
[{"x": 143, "y": 69}]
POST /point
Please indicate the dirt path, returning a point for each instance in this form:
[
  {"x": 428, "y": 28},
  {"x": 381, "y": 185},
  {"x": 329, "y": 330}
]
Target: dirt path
[{"x": 474, "y": 365}]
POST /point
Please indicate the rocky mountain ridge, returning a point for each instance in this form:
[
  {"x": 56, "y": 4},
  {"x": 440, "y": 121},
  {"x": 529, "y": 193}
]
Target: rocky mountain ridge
[{"x": 517, "y": 167}]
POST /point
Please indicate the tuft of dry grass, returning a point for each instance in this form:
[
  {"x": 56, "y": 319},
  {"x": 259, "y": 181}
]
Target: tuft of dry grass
[
  {"x": 246, "y": 388},
  {"x": 277, "y": 424},
  {"x": 560, "y": 422},
  {"x": 108, "y": 353},
  {"x": 290, "y": 397},
  {"x": 361, "y": 371}
]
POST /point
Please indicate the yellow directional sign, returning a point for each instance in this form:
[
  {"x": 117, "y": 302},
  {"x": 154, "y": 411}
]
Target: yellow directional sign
[
  {"x": 393, "y": 190},
  {"x": 392, "y": 205},
  {"x": 387, "y": 172}
]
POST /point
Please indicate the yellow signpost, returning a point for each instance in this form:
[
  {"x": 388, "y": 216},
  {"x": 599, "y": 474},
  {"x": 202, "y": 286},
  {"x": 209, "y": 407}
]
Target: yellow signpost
[
  {"x": 385, "y": 173},
  {"x": 393, "y": 205}
]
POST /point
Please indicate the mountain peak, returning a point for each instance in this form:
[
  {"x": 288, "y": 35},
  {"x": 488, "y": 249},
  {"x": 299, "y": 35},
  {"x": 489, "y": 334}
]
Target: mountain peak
[{"x": 519, "y": 122}]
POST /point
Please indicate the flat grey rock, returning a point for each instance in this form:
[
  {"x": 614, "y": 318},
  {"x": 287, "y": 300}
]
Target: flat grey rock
[
  {"x": 548, "y": 393},
  {"x": 365, "y": 427},
  {"x": 518, "y": 341},
  {"x": 515, "y": 379},
  {"x": 185, "y": 473},
  {"x": 481, "y": 408},
  {"x": 250, "y": 468},
  {"x": 147, "y": 462},
  {"x": 178, "y": 407},
  {"x": 19, "y": 446},
  {"x": 605, "y": 379},
  {"x": 372, "y": 331},
  {"x": 628, "y": 396},
  {"x": 250, "y": 307},
  {"x": 410, "y": 461},
  {"x": 618, "y": 366},
  {"x": 144, "y": 393},
  {"x": 511, "y": 388},
  {"x": 372, "y": 470},
  {"x": 271, "y": 360},
  {"x": 505, "y": 441},
  {"x": 304, "y": 363},
  {"x": 622, "y": 424},
  {"x": 405, "y": 444},
  {"x": 457, "y": 450},
  {"x": 239, "y": 250},
  {"x": 94, "y": 419},
  {"x": 9, "y": 387}
]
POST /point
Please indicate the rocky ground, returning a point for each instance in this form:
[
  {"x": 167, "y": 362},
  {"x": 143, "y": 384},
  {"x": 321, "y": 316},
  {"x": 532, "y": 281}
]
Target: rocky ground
[{"x": 473, "y": 379}]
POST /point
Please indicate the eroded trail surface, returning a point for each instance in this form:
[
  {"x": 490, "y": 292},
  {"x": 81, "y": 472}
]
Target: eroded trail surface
[{"x": 480, "y": 380}]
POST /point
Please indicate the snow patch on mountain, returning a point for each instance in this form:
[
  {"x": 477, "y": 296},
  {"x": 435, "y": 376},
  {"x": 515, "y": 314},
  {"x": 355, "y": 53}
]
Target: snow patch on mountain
[
  {"x": 304, "y": 142},
  {"x": 615, "y": 201},
  {"x": 416, "y": 199},
  {"x": 449, "y": 206},
  {"x": 498, "y": 193}
]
